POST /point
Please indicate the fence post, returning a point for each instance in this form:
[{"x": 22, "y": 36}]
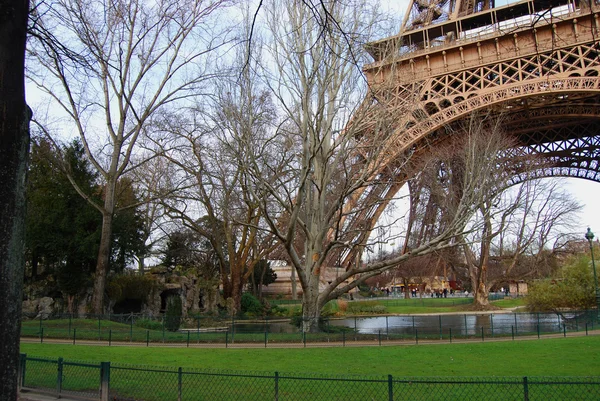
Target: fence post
[
  {"x": 22, "y": 368},
  {"x": 276, "y": 386},
  {"x": 266, "y": 337},
  {"x": 109, "y": 336},
  {"x": 450, "y": 334},
  {"x": 380, "y": 338},
  {"x": 482, "y": 338},
  {"x": 188, "y": 339},
  {"x": 512, "y": 330},
  {"x": 179, "y": 383},
  {"x": 131, "y": 328},
  {"x": 390, "y": 388},
  {"x": 525, "y": 389},
  {"x": 440, "y": 319},
  {"x": 104, "y": 381},
  {"x": 147, "y": 338},
  {"x": 565, "y": 329},
  {"x": 226, "y": 338},
  {"x": 59, "y": 376},
  {"x": 344, "y": 338},
  {"x": 416, "y": 336},
  {"x": 387, "y": 329},
  {"x": 492, "y": 323},
  {"x": 586, "y": 328},
  {"x": 74, "y": 335},
  {"x": 42, "y": 335}
]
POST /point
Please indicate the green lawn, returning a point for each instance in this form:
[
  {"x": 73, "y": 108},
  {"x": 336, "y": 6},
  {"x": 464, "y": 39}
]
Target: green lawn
[
  {"x": 576, "y": 356},
  {"x": 510, "y": 302}
]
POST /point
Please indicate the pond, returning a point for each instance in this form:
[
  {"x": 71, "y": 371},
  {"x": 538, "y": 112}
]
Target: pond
[{"x": 457, "y": 324}]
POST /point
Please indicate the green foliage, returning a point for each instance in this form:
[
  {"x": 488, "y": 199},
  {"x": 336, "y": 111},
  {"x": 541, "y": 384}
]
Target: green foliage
[
  {"x": 128, "y": 234},
  {"x": 262, "y": 274},
  {"x": 173, "y": 313},
  {"x": 62, "y": 229},
  {"x": 125, "y": 286},
  {"x": 149, "y": 324},
  {"x": 571, "y": 288},
  {"x": 251, "y": 305}
]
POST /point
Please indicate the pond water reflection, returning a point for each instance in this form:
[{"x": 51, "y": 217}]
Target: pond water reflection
[{"x": 457, "y": 324}]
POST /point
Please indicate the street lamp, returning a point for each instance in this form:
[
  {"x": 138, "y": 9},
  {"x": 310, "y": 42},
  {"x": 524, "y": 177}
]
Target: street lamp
[{"x": 590, "y": 237}]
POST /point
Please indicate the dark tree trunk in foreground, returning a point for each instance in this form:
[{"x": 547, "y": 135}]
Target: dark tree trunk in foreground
[{"x": 14, "y": 146}]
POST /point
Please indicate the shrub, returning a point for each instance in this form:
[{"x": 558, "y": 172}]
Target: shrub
[
  {"x": 251, "y": 305},
  {"x": 173, "y": 313},
  {"x": 571, "y": 288},
  {"x": 149, "y": 324}
]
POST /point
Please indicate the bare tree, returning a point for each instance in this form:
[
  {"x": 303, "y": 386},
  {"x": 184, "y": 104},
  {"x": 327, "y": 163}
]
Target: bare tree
[
  {"x": 209, "y": 152},
  {"x": 322, "y": 199},
  {"x": 14, "y": 147},
  {"x": 520, "y": 223},
  {"x": 133, "y": 59},
  {"x": 509, "y": 220},
  {"x": 154, "y": 183}
]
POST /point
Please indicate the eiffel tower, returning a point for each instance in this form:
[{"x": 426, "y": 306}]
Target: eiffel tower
[{"x": 537, "y": 62}]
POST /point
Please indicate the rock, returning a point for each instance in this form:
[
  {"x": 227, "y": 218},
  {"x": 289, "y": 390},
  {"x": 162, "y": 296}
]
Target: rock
[{"x": 45, "y": 307}]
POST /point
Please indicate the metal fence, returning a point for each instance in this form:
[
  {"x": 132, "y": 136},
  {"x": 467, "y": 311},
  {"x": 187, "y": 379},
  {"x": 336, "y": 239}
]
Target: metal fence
[
  {"x": 118, "y": 382},
  {"x": 110, "y": 329}
]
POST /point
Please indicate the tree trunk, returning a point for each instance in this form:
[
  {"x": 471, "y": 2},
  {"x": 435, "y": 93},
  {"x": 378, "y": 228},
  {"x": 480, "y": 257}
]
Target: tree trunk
[
  {"x": 311, "y": 310},
  {"x": 236, "y": 291},
  {"x": 14, "y": 147},
  {"x": 294, "y": 286},
  {"x": 103, "y": 262},
  {"x": 480, "y": 289}
]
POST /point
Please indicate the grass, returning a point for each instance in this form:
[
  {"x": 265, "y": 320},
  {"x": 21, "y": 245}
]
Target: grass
[
  {"x": 546, "y": 357},
  {"x": 510, "y": 302}
]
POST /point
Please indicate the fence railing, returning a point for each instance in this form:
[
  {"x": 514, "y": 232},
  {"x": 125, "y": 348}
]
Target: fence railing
[
  {"x": 378, "y": 329},
  {"x": 119, "y": 382}
]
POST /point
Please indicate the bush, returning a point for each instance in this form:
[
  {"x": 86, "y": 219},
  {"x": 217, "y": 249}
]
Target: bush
[
  {"x": 251, "y": 305},
  {"x": 173, "y": 313},
  {"x": 571, "y": 288},
  {"x": 149, "y": 324}
]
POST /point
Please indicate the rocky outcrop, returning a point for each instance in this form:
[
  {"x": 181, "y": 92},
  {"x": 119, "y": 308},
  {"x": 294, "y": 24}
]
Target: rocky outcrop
[{"x": 40, "y": 308}]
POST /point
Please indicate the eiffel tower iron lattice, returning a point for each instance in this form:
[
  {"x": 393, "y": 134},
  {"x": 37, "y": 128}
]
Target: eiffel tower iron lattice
[{"x": 535, "y": 62}]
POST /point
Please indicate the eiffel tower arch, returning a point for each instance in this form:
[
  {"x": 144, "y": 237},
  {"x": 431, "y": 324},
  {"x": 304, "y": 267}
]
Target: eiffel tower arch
[{"x": 535, "y": 62}]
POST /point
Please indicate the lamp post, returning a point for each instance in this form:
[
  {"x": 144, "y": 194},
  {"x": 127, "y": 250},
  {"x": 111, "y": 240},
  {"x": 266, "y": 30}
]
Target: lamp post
[{"x": 590, "y": 236}]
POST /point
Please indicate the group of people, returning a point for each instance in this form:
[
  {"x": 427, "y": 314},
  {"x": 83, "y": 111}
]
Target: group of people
[{"x": 441, "y": 293}]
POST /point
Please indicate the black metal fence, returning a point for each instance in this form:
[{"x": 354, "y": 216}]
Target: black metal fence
[
  {"x": 375, "y": 329},
  {"x": 118, "y": 382}
]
